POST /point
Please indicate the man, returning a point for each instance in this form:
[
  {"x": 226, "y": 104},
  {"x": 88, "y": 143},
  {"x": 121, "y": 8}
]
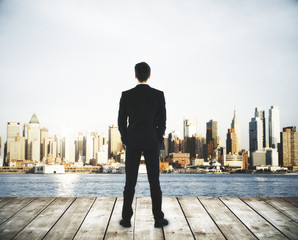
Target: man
[{"x": 144, "y": 108}]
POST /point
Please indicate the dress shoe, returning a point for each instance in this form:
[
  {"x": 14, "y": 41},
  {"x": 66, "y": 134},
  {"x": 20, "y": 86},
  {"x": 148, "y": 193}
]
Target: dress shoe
[
  {"x": 161, "y": 223},
  {"x": 125, "y": 223}
]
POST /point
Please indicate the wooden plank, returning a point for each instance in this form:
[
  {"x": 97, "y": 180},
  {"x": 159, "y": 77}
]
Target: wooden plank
[
  {"x": 38, "y": 228},
  {"x": 228, "y": 223},
  {"x": 13, "y": 207},
  {"x": 199, "y": 220},
  {"x": 5, "y": 200},
  {"x": 283, "y": 223},
  {"x": 178, "y": 227},
  {"x": 115, "y": 230},
  {"x": 283, "y": 206},
  {"x": 69, "y": 223},
  {"x": 258, "y": 225},
  {"x": 23, "y": 217},
  {"x": 96, "y": 222},
  {"x": 292, "y": 200},
  {"x": 144, "y": 221}
]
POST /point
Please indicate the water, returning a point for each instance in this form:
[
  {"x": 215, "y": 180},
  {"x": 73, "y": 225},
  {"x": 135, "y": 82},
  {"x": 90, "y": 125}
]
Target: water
[{"x": 178, "y": 185}]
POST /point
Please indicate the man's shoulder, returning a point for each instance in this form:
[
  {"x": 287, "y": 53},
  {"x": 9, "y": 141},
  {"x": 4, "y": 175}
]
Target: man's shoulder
[{"x": 156, "y": 90}]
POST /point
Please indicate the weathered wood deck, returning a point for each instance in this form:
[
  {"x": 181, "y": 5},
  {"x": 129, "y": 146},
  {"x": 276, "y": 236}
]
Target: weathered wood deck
[{"x": 189, "y": 217}]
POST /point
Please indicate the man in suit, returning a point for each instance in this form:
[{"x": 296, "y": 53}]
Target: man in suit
[{"x": 144, "y": 108}]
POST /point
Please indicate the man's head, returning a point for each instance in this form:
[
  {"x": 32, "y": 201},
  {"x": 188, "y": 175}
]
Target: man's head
[{"x": 142, "y": 71}]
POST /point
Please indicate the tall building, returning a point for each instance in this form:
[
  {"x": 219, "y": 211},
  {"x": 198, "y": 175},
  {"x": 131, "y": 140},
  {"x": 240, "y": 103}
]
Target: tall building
[
  {"x": 288, "y": 151},
  {"x": 115, "y": 143},
  {"x": 68, "y": 149},
  {"x": 255, "y": 134},
  {"x": 44, "y": 140},
  {"x": 25, "y": 134},
  {"x": 13, "y": 130},
  {"x": 33, "y": 139},
  {"x": 211, "y": 136},
  {"x": 261, "y": 114},
  {"x": 189, "y": 127},
  {"x": 236, "y": 126},
  {"x": 89, "y": 147},
  {"x": 274, "y": 127},
  {"x": 231, "y": 141},
  {"x": 15, "y": 146}
]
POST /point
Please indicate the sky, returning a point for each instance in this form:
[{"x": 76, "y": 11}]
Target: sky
[{"x": 68, "y": 61}]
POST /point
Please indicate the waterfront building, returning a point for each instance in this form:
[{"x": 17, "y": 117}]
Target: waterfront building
[
  {"x": 236, "y": 126},
  {"x": 288, "y": 151},
  {"x": 49, "y": 169},
  {"x": 173, "y": 136},
  {"x": 33, "y": 144},
  {"x": 164, "y": 150},
  {"x": 272, "y": 157},
  {"x": 180, "y": 160},
  {"x": 232, "y": 161},
  {"x": 17, "y": 148},
  {"x": 211, "y": 137},
  {"x": 261, "y": 114},
  {"x": 25, "y": 134},
  {"x": 102, "y": 155},
  {"x": 255, "y": 136},
  {"x": 115, "y": 143},
  {"x": 13, "y": 130},
  {"x": 194, "y": 146},
  {"x": 258, "y": 158},
  {"x": 231, "y": 141},
  {"x": 274, "y": 127},
  {"x": 89, "y": 148},
  {"x": 44, "y": 140},
  {"x": 68, "y": 149},
  {"x": 58, "y": 146},
  {"x": 189, "y": 127},
  {"x": 265, "y": 157}
]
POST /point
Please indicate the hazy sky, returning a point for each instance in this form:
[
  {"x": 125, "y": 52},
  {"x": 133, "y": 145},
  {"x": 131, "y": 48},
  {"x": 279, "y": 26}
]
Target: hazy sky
[{"x": 69, "y": 61}]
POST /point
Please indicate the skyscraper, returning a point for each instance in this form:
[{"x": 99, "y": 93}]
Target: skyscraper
[
  {"x": 33, "y": 139},
  {"x": 274, "y": 127},
  {"x": 115, "y": 143},
  {"x": 236, "y": 126},
  {"x": 211, "y": 136},
  {"x": 189, "y": 127},
  {"x": 89, "y": 147},
  {"x": 261, "y": 114},
  {"x": 255, "y": 134},
  {"x": 13, "y": 130},
  {"x": 231, "y": 141},
  {"x": 288, "y": 151},
  {"x": 44, "y": 139},
  {"x": 15, "y": 147}
]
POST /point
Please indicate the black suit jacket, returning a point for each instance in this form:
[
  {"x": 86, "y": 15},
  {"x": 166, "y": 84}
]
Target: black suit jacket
[{"x": 144, "y": 108}]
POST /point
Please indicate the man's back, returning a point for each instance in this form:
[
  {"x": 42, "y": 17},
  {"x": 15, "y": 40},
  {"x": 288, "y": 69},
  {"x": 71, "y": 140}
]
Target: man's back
[{"x": 144, "y": 107}]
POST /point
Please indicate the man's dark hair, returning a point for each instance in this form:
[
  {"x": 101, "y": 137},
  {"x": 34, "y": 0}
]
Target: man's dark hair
[{"x": 142, "y": 71}]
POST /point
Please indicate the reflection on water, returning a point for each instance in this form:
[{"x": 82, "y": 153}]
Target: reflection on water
[
  {"x": 178, "y": 185},
  {"x": 67, "y": 184},
  {"x": 260, "y": 179}
]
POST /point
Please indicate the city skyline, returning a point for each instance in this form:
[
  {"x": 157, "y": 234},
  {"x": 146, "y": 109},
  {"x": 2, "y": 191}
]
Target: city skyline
[{"x": 69, "y": 61}]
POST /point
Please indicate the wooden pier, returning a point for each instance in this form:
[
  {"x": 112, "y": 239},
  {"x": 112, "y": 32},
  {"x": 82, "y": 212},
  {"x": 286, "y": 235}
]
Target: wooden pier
[{"x": 189, "y": 218}]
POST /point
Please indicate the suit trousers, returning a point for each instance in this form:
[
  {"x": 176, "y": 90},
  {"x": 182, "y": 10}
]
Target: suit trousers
[{"x": 134, "y": 150}]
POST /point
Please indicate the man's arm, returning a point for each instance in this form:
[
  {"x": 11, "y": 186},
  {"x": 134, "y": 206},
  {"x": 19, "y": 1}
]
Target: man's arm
[
  {"x": 161, "y": 121},
  {"x": 122, "y": 120}
]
